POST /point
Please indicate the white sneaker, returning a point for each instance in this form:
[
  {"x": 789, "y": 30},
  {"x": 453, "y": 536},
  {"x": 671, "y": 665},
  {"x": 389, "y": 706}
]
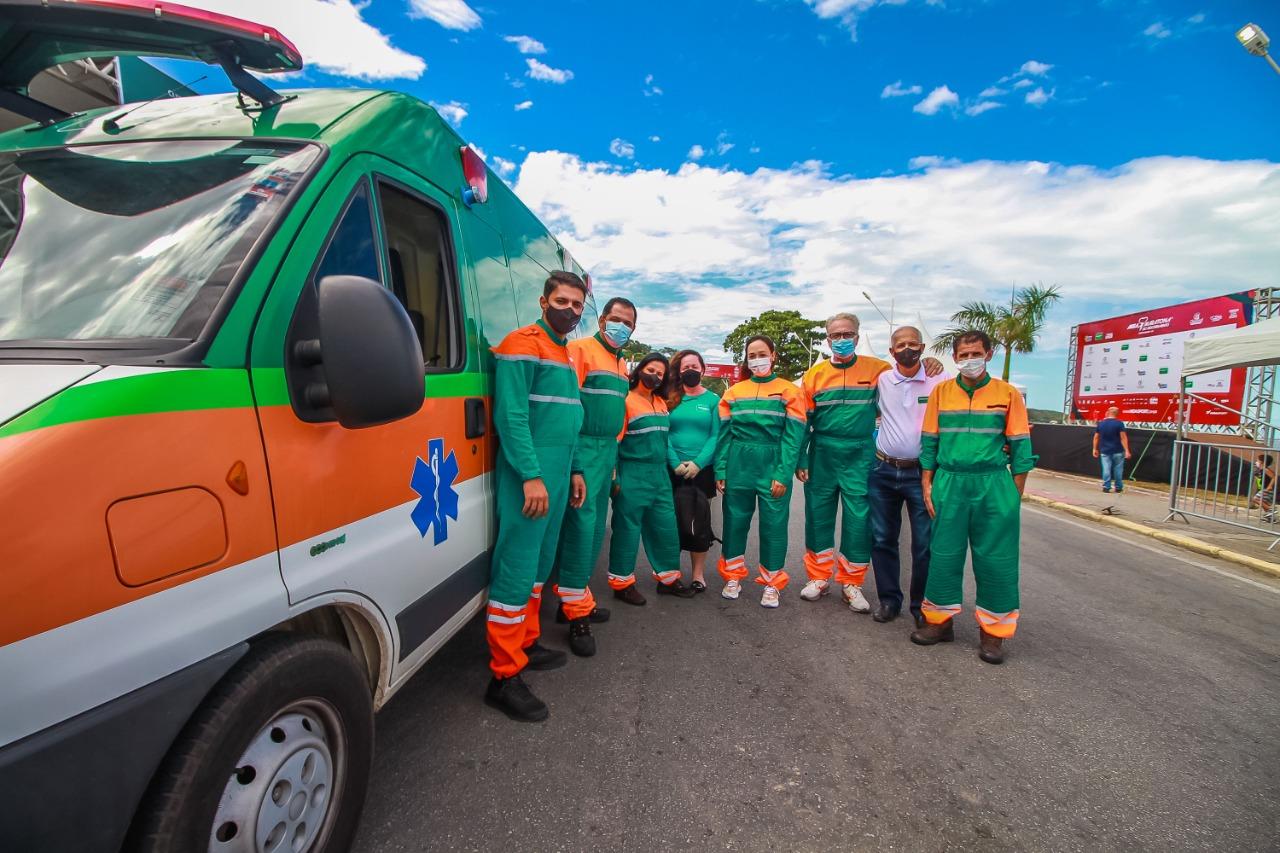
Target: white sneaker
[
  {"x": 731, "y": 590},
  {"x": 814, "y": 590},
  {"x": 770, "y": 597},
  {"x": 854, "y": 598}
]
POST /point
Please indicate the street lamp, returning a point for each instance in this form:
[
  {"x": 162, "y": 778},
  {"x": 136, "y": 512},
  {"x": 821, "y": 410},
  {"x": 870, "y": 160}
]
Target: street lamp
[
  {"x": 878, "y": 311},
  {"x": 1254, "y": 40}
]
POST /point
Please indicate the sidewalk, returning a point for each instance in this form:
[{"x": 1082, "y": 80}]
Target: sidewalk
[{"x": 1148, "y": 508}]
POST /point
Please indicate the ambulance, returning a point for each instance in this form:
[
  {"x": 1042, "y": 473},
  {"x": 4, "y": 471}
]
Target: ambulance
[{"x": 245, "y": 445}]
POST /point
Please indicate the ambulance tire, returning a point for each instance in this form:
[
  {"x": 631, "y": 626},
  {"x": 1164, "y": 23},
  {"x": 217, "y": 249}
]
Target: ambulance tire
[{"x": 267, "y": 705}]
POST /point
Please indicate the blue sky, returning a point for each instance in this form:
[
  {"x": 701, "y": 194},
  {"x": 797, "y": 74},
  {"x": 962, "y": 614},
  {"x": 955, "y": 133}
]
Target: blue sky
[{"x": 712, "y": 159}]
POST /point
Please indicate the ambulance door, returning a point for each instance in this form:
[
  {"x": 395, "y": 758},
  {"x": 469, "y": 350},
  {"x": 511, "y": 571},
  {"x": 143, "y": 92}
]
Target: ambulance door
[{"x": 395, "y": 514}]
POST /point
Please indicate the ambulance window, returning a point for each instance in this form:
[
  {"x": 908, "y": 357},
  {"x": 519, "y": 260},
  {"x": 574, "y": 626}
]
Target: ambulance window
[
  {"x": 420, "y": 273},
  {"x": 352, "y": 249}
]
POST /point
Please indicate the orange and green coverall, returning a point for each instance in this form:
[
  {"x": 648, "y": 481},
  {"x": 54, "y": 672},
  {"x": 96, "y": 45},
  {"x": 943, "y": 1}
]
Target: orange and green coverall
[
  {"x": 966, "y": 431},
  {"x": 602, "y": 377},
  {"x": 537, "y": 415},
  {"x": 644, "y": 507},
  {"x": 840, "y": 449},
  {"x": 762, "y": 425}
]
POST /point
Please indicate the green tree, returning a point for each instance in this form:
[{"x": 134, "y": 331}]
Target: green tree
[
  {"x": 1013, "y": 327},
  {"x": 793, "y": 335},
  {"x": 636, "y": 350}
]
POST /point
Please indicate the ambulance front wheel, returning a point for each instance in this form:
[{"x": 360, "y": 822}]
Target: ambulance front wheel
[{"x": 276, "y": 759}]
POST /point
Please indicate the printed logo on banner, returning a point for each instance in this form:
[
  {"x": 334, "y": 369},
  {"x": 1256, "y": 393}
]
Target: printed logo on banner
[{"x": 1196, "y": 319}]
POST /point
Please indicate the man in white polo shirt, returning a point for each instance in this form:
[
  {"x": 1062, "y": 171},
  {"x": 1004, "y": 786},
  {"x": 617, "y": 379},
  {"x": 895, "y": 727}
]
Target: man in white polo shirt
[{"x": 903, "y": 393}]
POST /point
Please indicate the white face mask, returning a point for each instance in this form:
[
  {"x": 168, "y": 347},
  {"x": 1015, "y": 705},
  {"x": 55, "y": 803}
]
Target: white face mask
[
  {"x": 972, "y": 368},
  {"x": 760, "y": 366}
]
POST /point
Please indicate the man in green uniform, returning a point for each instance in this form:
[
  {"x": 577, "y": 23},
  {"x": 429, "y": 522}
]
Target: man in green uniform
[
  {"x": 602, "y": 377},
  {"x": 974, "y": 457},
  {"x": 537, "y": 415}
]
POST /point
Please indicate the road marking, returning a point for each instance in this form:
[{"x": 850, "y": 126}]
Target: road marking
[{"x": 1097, "y": 529}]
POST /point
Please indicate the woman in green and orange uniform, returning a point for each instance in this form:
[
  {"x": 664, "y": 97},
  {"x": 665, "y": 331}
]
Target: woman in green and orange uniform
[{"x": 762, "y": 425}]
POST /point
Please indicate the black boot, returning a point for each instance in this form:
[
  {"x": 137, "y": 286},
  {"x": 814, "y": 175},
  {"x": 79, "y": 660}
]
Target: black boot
[
  {"x": 598, "y": 615},
  {"x": 513, "y": 697},
  {"x": 541, "y": 657},
  {"x": 630, "y": 595},
  {"x": 581, "y": 643},
  {"x": 930, "y": 634},
  {"x": 676, "y": 588},
  {"x": 884, "y": 613}
]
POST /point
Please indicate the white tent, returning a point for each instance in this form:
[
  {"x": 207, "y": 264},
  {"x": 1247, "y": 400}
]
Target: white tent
[{"x": 1247, "y": 346}]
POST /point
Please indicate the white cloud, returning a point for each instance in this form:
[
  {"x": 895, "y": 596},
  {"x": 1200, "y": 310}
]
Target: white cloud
[
  {"x": 936, "y": 100},
  {"x": 981, "y": 107},
  {"x": 1023, "y": 84},
  {"x": 1035, "y": 69},
  {"x": 992, "y": 92},
  {"x": 451, "y": 14},
  {"x": 651, "y": 90},
  {"x": 452, "y": 111},
  {"x": 848, "y": 11},
  {"x": 723, "y": 145},
  {"x": 523, "y": 105},
  {"x": 754, "y": 149},
  {"x": 1038, "y": 97},
  {"x": 540, "y": 71},
  {"x": 655, "y": 138},
  {"x": 622, "y": 148},
  {"x": 333, "y": 36},
  {"x": 897, "y": 90},
  {"x": 525, "y": 44},
  {"x": 697, "y": 152},
  {"x": 1197, "y": 18},
  {"x": 503, "y": 166},
  {"x": 1158, "y": 31},
  {"x": 1160, "y": 228}
]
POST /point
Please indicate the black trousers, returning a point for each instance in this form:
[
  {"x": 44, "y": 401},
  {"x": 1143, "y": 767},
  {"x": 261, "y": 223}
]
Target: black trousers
[{"x": 693, "y": 510}]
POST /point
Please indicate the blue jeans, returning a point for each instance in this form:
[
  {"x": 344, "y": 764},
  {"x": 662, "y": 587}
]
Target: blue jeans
[
  {"x": 1112, "y": 468},
  {"x": 887, "y": 490}
]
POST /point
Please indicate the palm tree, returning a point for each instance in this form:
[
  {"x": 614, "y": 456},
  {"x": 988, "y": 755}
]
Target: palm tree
[{"x": 1013, "y": 328}]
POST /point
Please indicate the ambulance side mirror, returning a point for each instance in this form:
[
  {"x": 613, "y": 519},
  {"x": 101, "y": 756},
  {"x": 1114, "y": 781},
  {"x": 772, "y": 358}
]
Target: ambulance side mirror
[{"x": 363, "y": 367}]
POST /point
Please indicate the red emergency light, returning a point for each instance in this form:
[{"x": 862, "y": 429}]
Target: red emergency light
[{"x": 476, "y": 175}]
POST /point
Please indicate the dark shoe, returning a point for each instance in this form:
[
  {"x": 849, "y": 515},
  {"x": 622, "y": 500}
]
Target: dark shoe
[
  {"x": 919, "y": 617},
  {"x": 1106, "y": 490},
  {"x": 512, "y": 697},
  {"x": 698, "y": 587},
  {"x": 884, "y": 613},
  {"x": 581, "y": 643},
  {"x": 598, "y": 615},
  {"x": 630, "y": 595},
  {"x": 992, "y": 650},
  {"x": 930, "y": 634},
  {"x": 542, "y": 658},
  {"x": 676, "y": 588}
]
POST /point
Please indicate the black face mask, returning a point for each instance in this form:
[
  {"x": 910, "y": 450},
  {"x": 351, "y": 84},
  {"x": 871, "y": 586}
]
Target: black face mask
[
  {"x": 691, "y": 378},
  {"x": 650, "y": 380},
  {"x": 907, "y": 357},
  {"x": 563, "y": 320}
]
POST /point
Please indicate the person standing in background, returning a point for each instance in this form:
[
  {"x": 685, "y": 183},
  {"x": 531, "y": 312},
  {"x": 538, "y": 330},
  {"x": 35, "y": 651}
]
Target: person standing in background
[
  {"x": 695, "y": 426},
  {"x": 762, "y": 425},
  {"x": 903, "y": 394},
  {"x": 1111, "y": 446}
]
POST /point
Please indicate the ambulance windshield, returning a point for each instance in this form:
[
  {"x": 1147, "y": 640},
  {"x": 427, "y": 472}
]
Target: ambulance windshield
[{"x": 132, "y": 240}]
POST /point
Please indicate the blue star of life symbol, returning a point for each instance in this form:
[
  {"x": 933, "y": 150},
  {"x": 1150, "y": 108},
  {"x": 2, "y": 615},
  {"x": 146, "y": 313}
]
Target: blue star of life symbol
[{"x": 433, "y": 481}]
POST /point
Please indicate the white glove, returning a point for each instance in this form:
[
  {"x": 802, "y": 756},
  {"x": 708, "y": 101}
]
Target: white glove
[{"x": 690, "y": 470}]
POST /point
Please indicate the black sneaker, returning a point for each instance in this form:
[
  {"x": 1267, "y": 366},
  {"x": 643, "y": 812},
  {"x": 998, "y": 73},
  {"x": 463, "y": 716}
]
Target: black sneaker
[
  {"x": 541, "y": 657},
  {"x": 513, "y": 697},
  {"x": 581, "y": 643},
  {"x": 598, "y": 615},
  {"x": 676, "y": 588}
]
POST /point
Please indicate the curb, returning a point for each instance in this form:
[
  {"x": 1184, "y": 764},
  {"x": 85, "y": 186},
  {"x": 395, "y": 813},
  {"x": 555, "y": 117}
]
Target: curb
[{"x": 1186, "y": 542}]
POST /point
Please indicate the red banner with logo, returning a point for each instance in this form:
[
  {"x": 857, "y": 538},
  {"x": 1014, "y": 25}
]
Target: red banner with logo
[
  {"x": 723, "y": 371},
  {"x": 1134, "y": 363}
]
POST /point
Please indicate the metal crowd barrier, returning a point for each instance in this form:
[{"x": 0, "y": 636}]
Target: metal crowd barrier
[{"x": 1227, "y": 483}]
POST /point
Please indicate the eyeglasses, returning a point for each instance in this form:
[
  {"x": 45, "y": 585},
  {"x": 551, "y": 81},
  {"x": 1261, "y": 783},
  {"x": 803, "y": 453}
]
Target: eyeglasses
[{"x": 841, "y": 336}]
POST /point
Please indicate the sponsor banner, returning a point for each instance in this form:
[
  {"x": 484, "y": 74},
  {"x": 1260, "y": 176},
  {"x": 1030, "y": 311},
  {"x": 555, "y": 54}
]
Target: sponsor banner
[
  {"x": 1134, "y": 362},
  {"x": 722, "y": 371}
]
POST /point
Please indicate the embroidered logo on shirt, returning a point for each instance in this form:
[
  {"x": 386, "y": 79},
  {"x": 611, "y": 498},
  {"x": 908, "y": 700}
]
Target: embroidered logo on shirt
[{"x": 923, "y": 400}]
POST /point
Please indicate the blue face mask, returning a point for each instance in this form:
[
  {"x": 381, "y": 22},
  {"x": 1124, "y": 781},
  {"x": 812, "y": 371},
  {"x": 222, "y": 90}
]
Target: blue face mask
[
  {"x": 617, "y": 333},
  {"x": 842, "y": 347}
]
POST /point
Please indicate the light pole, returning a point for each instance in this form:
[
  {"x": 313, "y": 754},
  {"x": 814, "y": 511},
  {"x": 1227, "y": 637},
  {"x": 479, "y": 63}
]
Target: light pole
[
  {"x": 1254, "y": 40},
  {"x": 878, "y": 311}
]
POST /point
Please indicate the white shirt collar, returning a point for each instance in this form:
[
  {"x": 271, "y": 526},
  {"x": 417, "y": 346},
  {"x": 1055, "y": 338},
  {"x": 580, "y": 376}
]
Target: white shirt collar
[{"x": 898, "y": 378}]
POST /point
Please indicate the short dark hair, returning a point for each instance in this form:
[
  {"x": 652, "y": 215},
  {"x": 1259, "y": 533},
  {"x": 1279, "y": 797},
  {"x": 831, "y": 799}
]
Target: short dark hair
[
  {"x": 661, "y": 390},
  {"x": 561, "y": 278},
  {"x": 970, "y": 337},
  {"x": 619, "y": 300}
]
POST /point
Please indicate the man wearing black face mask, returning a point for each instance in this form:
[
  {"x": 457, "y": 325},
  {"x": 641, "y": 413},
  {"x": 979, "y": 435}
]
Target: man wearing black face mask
[{"x": 903, "y": 394}]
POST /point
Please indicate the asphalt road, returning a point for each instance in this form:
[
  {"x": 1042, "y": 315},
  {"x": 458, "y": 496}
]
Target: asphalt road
[{"x": 1139, "y": 709}]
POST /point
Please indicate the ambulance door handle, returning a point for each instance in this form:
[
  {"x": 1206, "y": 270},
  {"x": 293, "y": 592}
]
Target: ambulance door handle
[{"x": 477, "y": 421}]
